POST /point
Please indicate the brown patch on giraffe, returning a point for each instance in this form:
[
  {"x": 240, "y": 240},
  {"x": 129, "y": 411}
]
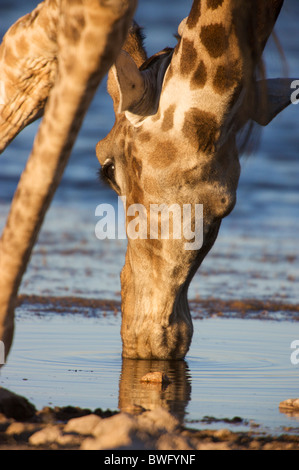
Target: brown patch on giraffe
[
  {"x": 22, "y": 47},
  {"x": 43, "y": 22},
  {"x": 122, "y": 128},
  {"x": 130, "y": 132},
  {"x": 163, "y": 155},
  {"x": 136, "y": 194},
  {"x": 201, "y": 129},
  {"x": 80, "y": 20},
  {"x": 72, "y": 32},
  {"x": 194, "y": 15},
  {"x": 122, "y": 143},
  {"x": 144, "y": 136},
  {"x": 199, "y": 77},
  {"x": 130, "y": 186},
  {"x": 215, "y": 39},
  {"x": 69, "y": 65},
  {"x": 226, "y": 77},
  {"x": 214, "y": 4},
  {"x": 137, "y": 166},
  {"x": 176, "y": 272},
  {"x": 10, "y": 58},
  {"x": 89, "y": 38},
  {"x": 188, "y": 57},
  {"x": 190, "y": 177},
  {"x": 156, "y": 244},
  {"x": 129, "y": 150},
  {"x": 167, "y": 123}
]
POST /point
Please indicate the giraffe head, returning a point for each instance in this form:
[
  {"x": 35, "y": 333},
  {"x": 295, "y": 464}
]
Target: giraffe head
[{"x": 177, "y": 116}]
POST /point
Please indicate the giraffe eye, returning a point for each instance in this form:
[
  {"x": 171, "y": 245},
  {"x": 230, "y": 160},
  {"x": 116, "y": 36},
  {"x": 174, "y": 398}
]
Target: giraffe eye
[
  {"x": 107, "y": 171},
  {"x": 107, "y": 174}
]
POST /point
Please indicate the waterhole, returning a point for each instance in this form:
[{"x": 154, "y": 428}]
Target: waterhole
[{"x": 235, "y": 375}]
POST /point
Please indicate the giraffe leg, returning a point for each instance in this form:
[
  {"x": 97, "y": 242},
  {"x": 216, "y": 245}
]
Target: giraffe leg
[
  {"x": 28, "y": 66},
  {"x": 85, "y": 53}
]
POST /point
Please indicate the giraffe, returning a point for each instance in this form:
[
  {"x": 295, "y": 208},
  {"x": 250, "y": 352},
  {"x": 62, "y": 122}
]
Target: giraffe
[
  {"x": 174, "y": 138},
  {"x": 174, "y": 141},
  {"x": 51, "y": 62}
]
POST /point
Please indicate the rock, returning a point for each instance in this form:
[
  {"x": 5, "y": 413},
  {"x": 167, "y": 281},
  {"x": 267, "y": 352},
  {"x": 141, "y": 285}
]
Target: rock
[
  {"x": 156, "y": 377},
  {"x": 65, "y": 413},
  {"x": 291, "y": 404},
  {"x": 47, "y": 435},
  {"x": 213, "y": 446},
  {"x": 53, "y": 435},
  {"x": 157, "y": 420},
  {"x": 17, "y": 428},
  {"x": 124, "y": 431},
  {"x": 115, "y": 432},
  {"x": 84, "y": 425},
  {"x": 111, "y": 433},
  {"x": 113, "y": 442},
  {"x": 15, "y": 406},
  {"x": 121, "y": 422},
  {"x": 223, "y": 434},
  {"x": 173, "y": 442},
  {"x": 4, "y": 422}
]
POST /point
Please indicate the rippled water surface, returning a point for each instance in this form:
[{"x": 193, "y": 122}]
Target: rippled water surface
[{"x": 236, "y": 366}]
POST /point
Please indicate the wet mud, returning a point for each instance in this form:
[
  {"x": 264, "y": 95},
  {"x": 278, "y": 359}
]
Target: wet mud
[{"x": 201, "y": 308}]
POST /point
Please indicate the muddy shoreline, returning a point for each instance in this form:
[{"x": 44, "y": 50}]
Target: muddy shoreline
[
  {"x": 22, "y": 427},
  {"x": 201, "y": 308}
]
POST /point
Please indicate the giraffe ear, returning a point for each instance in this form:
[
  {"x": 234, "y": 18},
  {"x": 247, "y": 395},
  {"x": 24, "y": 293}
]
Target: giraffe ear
[
  {"x": 136, "y": 91},
  {"x": 130, "y": 83},
  {"x": 273, "y": 96}
]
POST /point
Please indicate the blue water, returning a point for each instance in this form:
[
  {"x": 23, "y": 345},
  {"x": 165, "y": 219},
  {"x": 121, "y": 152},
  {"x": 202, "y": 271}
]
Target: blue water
[{"x": 256, "y": 255}]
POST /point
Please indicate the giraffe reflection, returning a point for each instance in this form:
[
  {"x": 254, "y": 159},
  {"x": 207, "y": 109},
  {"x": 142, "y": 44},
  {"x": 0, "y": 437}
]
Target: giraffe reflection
[{"x": 174, "y": 397}]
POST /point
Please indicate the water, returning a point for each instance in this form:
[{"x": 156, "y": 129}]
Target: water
[{"x": 235, "y": 366}]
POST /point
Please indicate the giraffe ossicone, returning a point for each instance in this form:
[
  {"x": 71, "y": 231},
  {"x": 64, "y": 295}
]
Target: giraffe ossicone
[{"x": 177, "y": 118}]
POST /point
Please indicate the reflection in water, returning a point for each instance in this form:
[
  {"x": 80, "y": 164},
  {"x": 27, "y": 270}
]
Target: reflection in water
[{"x": 174, "y": 396}]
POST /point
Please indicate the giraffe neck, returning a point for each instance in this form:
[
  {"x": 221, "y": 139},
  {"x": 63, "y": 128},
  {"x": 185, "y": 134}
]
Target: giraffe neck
[
  {"x": 74, "y": 87},
  {"x": 206, "y": 69}
]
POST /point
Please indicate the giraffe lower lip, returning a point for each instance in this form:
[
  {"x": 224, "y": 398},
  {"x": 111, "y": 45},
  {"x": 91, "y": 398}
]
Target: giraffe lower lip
[{"x": 161, "y": 334}]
